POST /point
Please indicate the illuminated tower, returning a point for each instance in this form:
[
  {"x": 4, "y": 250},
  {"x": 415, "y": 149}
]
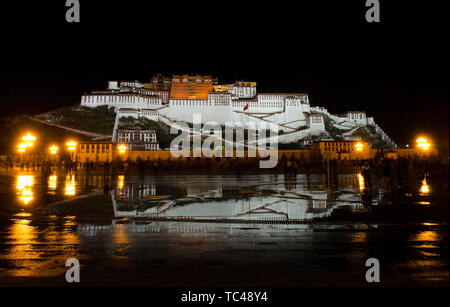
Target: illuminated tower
[{"x": 191, "y": 87}]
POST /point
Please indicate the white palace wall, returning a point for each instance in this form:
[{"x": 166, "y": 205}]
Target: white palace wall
[
  {"x": 183, "y": 110},
  {"x": 278, "y": 108},
  {"x": 121, "y": 101}
]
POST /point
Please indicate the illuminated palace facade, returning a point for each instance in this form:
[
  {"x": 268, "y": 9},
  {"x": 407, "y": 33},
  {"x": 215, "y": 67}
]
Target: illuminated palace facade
[{"x": 179, "y": 97}]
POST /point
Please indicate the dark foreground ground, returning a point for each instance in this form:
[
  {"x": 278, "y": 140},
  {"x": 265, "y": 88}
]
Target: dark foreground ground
[{"x": 183, "y": 254}]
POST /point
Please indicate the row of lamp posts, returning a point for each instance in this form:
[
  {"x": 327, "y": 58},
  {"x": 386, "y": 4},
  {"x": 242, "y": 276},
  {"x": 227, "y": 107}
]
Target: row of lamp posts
[{"x": 28, "y": 141}]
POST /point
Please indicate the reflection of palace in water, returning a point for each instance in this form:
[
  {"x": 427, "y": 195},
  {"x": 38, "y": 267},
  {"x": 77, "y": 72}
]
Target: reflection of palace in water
[
  {"x": 272, "y": 197},
  {"x": 137, "y": 191},
  {"x": 292, "y": 199}
]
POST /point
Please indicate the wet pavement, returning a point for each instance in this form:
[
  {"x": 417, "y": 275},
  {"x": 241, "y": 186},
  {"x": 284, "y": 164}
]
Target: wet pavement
[{"x": 221, "y": 230}]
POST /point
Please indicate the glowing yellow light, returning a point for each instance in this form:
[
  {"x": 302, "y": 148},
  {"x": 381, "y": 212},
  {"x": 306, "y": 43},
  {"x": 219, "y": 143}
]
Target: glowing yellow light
[
  {"x": 423, "y": 143},
  {"x": 24, "y": 184},
  {"x": 71, "y": 145},
  {"x": 426, "y": 237},
  {"x": 122, "y": 148},
  {"x": 361, "y": 182},
  {"x": 424, "y": 189},
  {"x": 120, "y": 181},
  {"x": 52, "y": 180},
  {"x": 70, "y": 186},
  {"x": 421, "y": 140},
  {"x": 27, "y": 193},
  {"x": 24, "y": 181},
  {"x": 29, "y": 138},
  {"x": 359, "y": 146},
  {"x": 24, "y": 244},
  {"x": 26, "y": 197},
  {"x": 424, "y": 146},
  {"x": 22, "y": 147},
  {"x": 53, "y": 149}
]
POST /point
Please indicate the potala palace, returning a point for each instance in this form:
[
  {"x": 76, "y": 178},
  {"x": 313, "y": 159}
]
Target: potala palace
[{"x": 178, "y": 98}]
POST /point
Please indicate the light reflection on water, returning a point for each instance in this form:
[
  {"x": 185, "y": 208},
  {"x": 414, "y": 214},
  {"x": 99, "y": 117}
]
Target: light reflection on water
[
  {"x": 24, "y": 188},
  {"x": 31, "y": 188},
  {"x": 120, "y": 181},
  {"x": 361, "y": 183},
  {"x": 269, "y": 197},
  {"x": 70, "y": 185},
  {"x": 39, "y": 249},
  {"x": 52, "y": 182},
  {"x": 32, "y": 251},
  {"x": 427, "y": 238},
  {"x": 424, "y": 188},
  {"x": 36, "y": 252}
]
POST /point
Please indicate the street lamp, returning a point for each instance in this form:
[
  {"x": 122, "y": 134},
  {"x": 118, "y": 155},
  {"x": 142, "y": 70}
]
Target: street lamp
[
  {"x": 359, "y": 146},
  {"x": 29, "y": 138},
  {"x": 53, "y": 150},
  {"x": 22, "y": 147},
  {"x": 71, "y": 145},
  {"x": 122, "y": 148},
  {"x": 423, "y": 144},
  {"x": 28, "y": 141}
]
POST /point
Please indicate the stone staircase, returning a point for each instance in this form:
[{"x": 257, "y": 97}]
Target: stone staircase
[
  {"x": 384, "y": 136},
  {"x": 263, "y": 118},
  {"x": 116, "y": 127}
]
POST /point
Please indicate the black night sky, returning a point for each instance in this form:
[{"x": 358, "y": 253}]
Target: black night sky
[{"x": 396, "y": 70}]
